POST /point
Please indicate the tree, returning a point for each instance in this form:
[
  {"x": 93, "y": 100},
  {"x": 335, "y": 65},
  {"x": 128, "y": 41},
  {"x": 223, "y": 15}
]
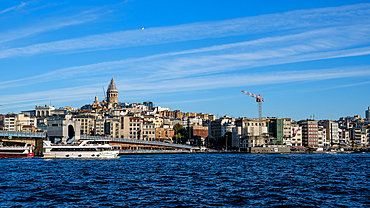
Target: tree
[
  {"x": 180, "y": 134},
  {"x": 177, "y": 128},
  {"x": 211, "y": 141},
  {"x": 177, "y": 138}
]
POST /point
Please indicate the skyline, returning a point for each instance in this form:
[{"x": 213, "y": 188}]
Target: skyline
[{"x": 303, "y": 58}]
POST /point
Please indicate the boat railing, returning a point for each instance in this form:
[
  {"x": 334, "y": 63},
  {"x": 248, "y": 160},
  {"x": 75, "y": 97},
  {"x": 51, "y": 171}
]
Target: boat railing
[
  {"x": 135, "y": 141},
  {"x": 12, "y": 147},
  {"x": 22, "y": 134}
]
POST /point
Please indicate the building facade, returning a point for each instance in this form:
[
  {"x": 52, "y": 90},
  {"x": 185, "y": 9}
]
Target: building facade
[{"x": 309, "y": 133}]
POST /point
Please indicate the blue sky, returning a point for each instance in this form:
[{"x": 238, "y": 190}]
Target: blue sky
[{"x": 304, "y": 58}]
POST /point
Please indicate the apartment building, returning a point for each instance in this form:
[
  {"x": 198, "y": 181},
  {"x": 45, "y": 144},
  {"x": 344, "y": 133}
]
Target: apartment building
[
  {"x": 332, "y": 133},
  {"x": 296, "y": 136},
  {"x": 309, "y": 133},
  {"x": 149, "y": 131},
  {"x": 249, "y": 133}
]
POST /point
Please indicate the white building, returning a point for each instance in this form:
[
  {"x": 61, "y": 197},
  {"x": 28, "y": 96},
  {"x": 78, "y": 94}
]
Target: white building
[
  {"x": 249, "y": 133},
  {"x": 296, "y": 138},
  {"x": 63, "y": 129},
  {"x": 332, "y": 132},
  {"x": 44, "y": 111},
  {"x": 321, "y": 137}
]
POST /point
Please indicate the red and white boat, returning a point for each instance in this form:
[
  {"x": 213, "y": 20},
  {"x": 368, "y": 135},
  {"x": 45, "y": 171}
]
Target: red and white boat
[{"x": 16, "y": 151}]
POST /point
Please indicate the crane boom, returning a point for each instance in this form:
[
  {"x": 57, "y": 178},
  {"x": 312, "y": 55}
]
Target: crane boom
[
  {"x": 258, "y": 97},
  {"x": 251, "y": 94}
]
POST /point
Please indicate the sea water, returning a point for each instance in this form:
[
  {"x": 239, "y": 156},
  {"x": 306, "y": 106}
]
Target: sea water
[{"x": 189, "y": 180}]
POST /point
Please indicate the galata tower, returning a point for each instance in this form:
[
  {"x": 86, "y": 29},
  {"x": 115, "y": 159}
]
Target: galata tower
[{"x": 112, "y": 94}]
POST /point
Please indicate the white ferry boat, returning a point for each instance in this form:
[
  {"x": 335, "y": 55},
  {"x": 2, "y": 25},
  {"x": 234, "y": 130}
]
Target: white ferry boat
[
  {"x": 16, "y": 150},
  {"x": 87, "y": 149}
]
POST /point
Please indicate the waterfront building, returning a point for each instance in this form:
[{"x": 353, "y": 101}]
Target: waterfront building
[
  {"x": 15, "y": 122},
  {"x": 87, "y": 124},
  {"x": 220, "y": 126},
  {"x": 148, "y": 131},
  {"x": 22, "y": 120},
  {"x": 29, "y": 128},
  {"x": 99, "y": 127},
  {"x": 332, "y": 133},
  {"x": 164, "y": 134},
  {"x": 9, "y": 122},
  {"x": 287, "y": 131},
  {"x": 2, "y": 122},
  {"x": 296, "y": 136},
  {"x": 321, "y": 137},
  {"x": 275, "y": 128},
  {"x": 358, "y": 137},
  {"x": 309, "y": 133},
  {"x": 63, "y": 129},
  {"x": 199, "y": 131},
  {"x": 236, "y": 138},
  {"x": 124, "y": 128},
  {"x": 112, "y": 127},
  {"x": 344, "y": 136},
  {"x": 136, "y": 128},
  {"x": 249, "y": 133}
]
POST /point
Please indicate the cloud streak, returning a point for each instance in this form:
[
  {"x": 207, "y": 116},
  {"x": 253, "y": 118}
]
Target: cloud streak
[
  {"x": 51, "y": 24},
  {"x": 14, "y": 7},
  {"x": 313, "y": 45},
  {"x": 139, "y": 91},
  {"x": 313, "y": 18}
]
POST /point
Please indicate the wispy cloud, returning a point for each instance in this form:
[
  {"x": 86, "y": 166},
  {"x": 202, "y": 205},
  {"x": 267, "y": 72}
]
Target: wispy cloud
[
  {"x": 252, "y": 79},
  {"x": 139, "y": 91},
  {"x": 236, "y": 64},
  {"x": 14, "y": 7},
  {"x": 313, "y": 45},
  {"x": 313, "y": 18},
  {"x": 51, "y": 24}
]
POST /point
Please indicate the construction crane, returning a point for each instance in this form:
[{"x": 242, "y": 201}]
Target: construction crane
[
  {"x": 259, "y": 100},
  {"x": 105, "y": 96}
]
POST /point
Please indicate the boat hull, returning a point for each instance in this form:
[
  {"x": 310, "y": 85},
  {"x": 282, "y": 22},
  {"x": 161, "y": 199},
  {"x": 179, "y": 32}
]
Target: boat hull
[
  {"x": 17, "y": 155},
  {"x": 82, "y": 155}
]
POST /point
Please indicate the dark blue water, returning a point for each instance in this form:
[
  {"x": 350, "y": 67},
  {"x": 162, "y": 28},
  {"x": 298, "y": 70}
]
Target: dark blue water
[{"x": 190, "y": 180}]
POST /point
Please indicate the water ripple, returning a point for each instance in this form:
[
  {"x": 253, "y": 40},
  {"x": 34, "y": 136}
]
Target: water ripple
[{"x": 189, "y": 180}]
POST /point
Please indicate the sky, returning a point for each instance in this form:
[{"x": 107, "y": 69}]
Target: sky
[{"x": 305, "y": 58}]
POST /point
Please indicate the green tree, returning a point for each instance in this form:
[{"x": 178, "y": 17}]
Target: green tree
[
  {"x": 180, "y": 136},
  {"x": 177, "y": 128}
]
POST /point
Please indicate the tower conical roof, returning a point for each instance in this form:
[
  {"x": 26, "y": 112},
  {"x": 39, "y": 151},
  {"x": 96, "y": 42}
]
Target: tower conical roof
[{"x": 112, "y": 86}]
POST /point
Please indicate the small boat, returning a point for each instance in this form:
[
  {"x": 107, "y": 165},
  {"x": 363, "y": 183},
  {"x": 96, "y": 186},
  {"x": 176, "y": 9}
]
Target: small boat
[
  {"x": 87, "y": 149},
  {"x": 16, "y": 150}
]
